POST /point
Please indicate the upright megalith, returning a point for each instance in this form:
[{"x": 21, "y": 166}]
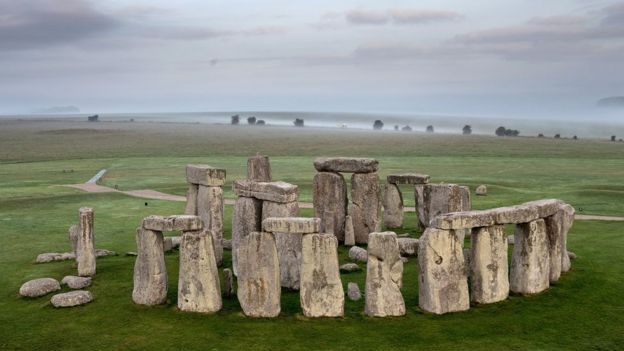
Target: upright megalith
[
  {"x": 440, "y": 199},
  {"x": 85, "y": 245},
  {"x": 349, "y": 239},
  {"x": 191, "y": 200},
  {"x": 259, "y": 168},
  {"x": 321, "y": 293},
  {"x": 443, "y": 284},
  {"x": 288, "y": 243},
  {"x": 199, "y": 289},
  {"x": 530, "y": 262},
  {"x": 150, "y": 272},
  {"x": 366, "y": 205},
  {"x": 246, "y": 218},
  {"x": 384, "y": 276},
  {"x": 330, "y": 199},
  {"x": 258, "y": 282},
  {"x": 393, "y": 206},
  {"x": 567, "y": 220},
  {"x": 489, "y": 268},
  {"x": 74, "y": 236}
]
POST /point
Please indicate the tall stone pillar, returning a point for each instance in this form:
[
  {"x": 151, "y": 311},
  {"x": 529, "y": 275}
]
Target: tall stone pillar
[
  {"x": 384, "y": 276},
  {"x": 393, "y": 206},
  {"x": 288, "y": 244},
  {"x": 210, "y": 209},
  {"x": 330, "y": 198},
  {"x": 150, "y": 272},
  {"x": 85, "y": 246},
  {"x": 530, "y": 263},
  {"x": 247, "y": 218},
  {"x": 366, "y": 201},
  {"x": 489, "y": 267}
]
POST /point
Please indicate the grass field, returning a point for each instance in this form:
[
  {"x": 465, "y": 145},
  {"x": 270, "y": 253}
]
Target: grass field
[{"x": 583, "y": 311}]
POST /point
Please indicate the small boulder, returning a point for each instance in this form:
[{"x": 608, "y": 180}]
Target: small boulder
[
  {"x": 349, "y": 267},
  {"x": 39, "y": 287},
  {"x": 104, "y": 252},
  {"x": 572, "y": 255},
  {"x": 76, "y": 282},
  {"x": 227, "y": 244},
  {"x": 404, "y": 259},
  {"x": 72, "y": 298},
  {"x": 408, "y": 246},
  {"x": 131, "y": 253},
  {"x": 228, "y": 283},
  {"x": 353, "y": 291},
  {"x": 481, "y": 190},
  {"x": 357, "y": 253},
  {"x": 510, "y": 239}
]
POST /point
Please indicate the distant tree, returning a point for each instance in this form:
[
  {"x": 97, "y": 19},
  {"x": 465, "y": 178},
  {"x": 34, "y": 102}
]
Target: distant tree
[
  {"x": 378, "y": 124},
  {"x": 467, "y": 130},
  {"x": 429, "y": 129},
  {"x": 513, "y": 132},
  {"x": 575, "y": 137},
  {"x": 396, "y": 127},
  {"x": 251, "y": 120},
  {"x": 298, "y": 122},
  {"x": 613, "y": 138},
  {"x": 406, "y": 129},
  {"x": 235, "y": 119},
  {"x": 557, "y": 136},
  {"x": 500, "y": 131},
  {"x": 540, "y": 135},
  {"x": 260, "y": 122}
]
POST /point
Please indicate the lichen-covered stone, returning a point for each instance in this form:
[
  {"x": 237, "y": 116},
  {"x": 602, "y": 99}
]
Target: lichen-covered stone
[
  {"x": 358, "y": 254},
  {"x": 246, "y": 218},
  {"x": 353, "y": 291},
  {"x": 330, "y": 199},
  {"x": 530, "y": 263},
  {"x": 259, "y": 168},
  {"x": 514, "y": 214},
  {"x": 74, "y": 235},
  {"x": 301, "y": 225},
  {"x": 488, "y": 265},
  {"x": 545, "y": 207},
  {"x": 39, "y": 287},
  {"x": 408, "y": 246},
  {"x": 75, "y": 282},
  {"x": 419, "y": 202},
  {"x": 464, "y": 220},
  {"x": 210, "y": 209},
  {"x": 171, "y": 223},
  {"x": 150, "y": 272},
  {"x": 270, "y": 191},
  {"x": 408, "y": 178},
  {"x": 228, "y": 283},
  {"x": 568, "y": 221},
  {"x": 346, "y": 165},
  {"x": 85, "y": 247},
  {"x": 72, "y": 298},
  {"x": 349, "y": 267},
  {"x": 55, "y": 256},
  {"x": 393, "y": 206},
  {"x": 481, "y": 190},
  {"x": 191, "y": 200},
  {"x": 288, "y": 244},
  {"x": 384, "y": 276},
  {"x": 441, "y": 199},
  {"x": 349, "y": 238},
  {"x": 205, "y": 175},
  {"x": 366, "y": 205}
]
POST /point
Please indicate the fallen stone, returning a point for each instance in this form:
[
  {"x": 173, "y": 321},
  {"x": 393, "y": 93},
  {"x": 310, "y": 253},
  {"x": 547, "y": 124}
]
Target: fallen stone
[
  {"x": 246, "y": 218},
  {"x": 85, "y": 246},
  {"x": 393, "y": 206},
  {"x": 349, "y": 239},
  {"x": 173, "y": 223},
  {"x": 39, "y": 287},
  {"x": 408, "y": 178},
  {"x": 72, "y": 298},
  {"x": 301, "y": 225},
  {"x": 571, "y": 255},
  {"x": 346, "y": 165},
  {"x": 384, "y": 276},
  {"x": 167, "y": 244},
  {"x": 488, "y": 265},
  {"x": 205, "y": 175},
  {"x": 104, "y": 253},
  {"x": 191, "y": 200},
  {"x": 353, "y": 291},
  {"x": 357, "y": 253},
  {"x": 464, "y": 220},
  {"x": 210, "y": 210},
  {"x": 227, "y": 244},
  {"x": 366, "y": 205},
  {"x": 510, "y": 239},
  {"x": 75, "y": 282},
  {"x": 259, "y": 168},
  {"x": 408, "y": 246},
  {"x": 530, "y": 263},
  {"x": 150, "y": 272},
  {"x": 404, "y": 235},
  {"x": 54, "y": 256},
  {"x": 330, "y": 199},
  {"x": 281, "y": 192},
  {"x": 349, "y": 267},
  {"x": 481, "y": 190},
  {"x": 228, "y": 283},
  {"x": 131, "y": 253},
  {"x": 175, "y": 241}
]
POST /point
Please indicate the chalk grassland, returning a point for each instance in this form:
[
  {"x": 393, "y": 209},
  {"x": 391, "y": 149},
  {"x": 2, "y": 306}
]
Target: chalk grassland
[{"x": 583, "y": 311}]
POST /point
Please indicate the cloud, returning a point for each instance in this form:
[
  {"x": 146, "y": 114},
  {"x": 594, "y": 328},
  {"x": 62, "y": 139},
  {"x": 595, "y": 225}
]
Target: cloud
[
  {"x": 400, "y": 16},
  {"x": 366, "y": 17}
]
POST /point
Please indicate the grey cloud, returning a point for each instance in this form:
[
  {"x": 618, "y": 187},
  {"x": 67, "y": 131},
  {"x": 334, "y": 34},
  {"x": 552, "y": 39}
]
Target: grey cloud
[
  {"x": 400, "y": 16},
  {"x": 366, "y": 17}
]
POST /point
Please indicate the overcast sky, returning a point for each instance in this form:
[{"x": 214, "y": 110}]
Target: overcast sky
[{"x": 489, "y": 57}]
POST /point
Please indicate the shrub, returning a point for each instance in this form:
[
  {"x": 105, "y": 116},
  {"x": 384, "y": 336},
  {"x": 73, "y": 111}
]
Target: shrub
[
  {"x": 540, "y": 135},
  {"x": 406, "y": 129},
  {"x": 613, "y": 138},
  {"x": 298, "y": 122},
  {"x": 429, "y": 129},
  {"x": 378, "y": 124},
  {"x": 500, "y": 131},
  {"x": 260, "y": 122},
  {"x": 396, "y": 127},
  {"x": 251, "y": 120},
  {"x": 557, "y": 136},
  {"x": 467, "y": 130},
  {"x": 235, "y": 119}
]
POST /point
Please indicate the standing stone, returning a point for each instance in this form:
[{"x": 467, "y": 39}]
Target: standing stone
[
  {"x": 330, "y": 198},
  {"x": 228, "y": 283},
  {"x": 481, "y": 190},
  {"x": 247, "y": 218},
  {"x": 74, "y": 236},
  {"x": 384, "y": 276},
  {"x": 199, "y": 289},
  {"x": 488, "y": 265},
  {"x": 568, "y": 221},
  {"x": 210, "y": 210},
  {"x": 321, "y": 289},
  {"x": 366, "y": 201},
  {"x": 259, "y": 168},
  {"x": 191, "y": 200},
  {"x": 442, "y": 198},
  {"x": 150, "y": 272},
  {"x": 443, "y": 284},
  {"x": 357, "y": 253},
  {"x": 554, "y": 230},
  {"x": 419, "y": 200},
  {"x": 393, "y": 206},
  {"x": 466, "y": 202},
  {"x": 530, "y": 263},
  {"x": 258, "y": 276},
  {"x": 288, "y": 244},
  {"x": 353, "y": 291},
  {"x": 349, "y": 239},
  {"x": 85, "y": 248}
]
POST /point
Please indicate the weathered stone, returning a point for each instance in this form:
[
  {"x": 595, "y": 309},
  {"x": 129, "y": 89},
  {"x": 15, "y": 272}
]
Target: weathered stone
[
  {"x": 228, "y": 283},
  {"x": 270, "y": 191},
  {"x": 443, "y": 284},
  {"x": 404, "y": 235},
  {"x": 393, "y": 206},
  {"x": 55, "y": 256},
  {"x": 75, "y": 282},
  {"x": 301, "y": 225},
  {"x": 132, "y": 253},
  {"x": 150, "y": 272},
  {"x": 259, "y": 168},
  {"x": 39, "y": 287},
  {"x": 530, "y": 263},
  {"x": 85, "y": 248},
  {"x": 104, "y": 252},
  {"x": 404, "y": 259},
  {"x": 175, "y": 241},
  {"x": 384, "y": 276},
  {"x": 210, "y": 209},
  {"x": 546, "y": 207},
  {"x": 358, "y": 254},
  {"x": 74, "y": 235},
  {"x": 408, "y": 246},
  {"x": 330, "y": 198},
  {"x": 366, "y": 205},
  {"x": 349, "y": 239},
  {"x": 72, "y": 298},
  {"x": 571, "y": 255},
  {"x": 259, "y": 276},
  {"x": 481, "y": 190},
  {"x": 199, "y": 289},
  {"x": 346, "y": 165},
  {"x": 227, "y": 244},
  {"x": 288, "y": 244},
  {"x": 349, "y": 267},
  {"x": 419, "y": 202},
  {"x": 441, "y": 199},
  {"x": 205, "y": 175},
  {"x": 408, "y": 178},
  {"x": 510, "y": 239},
  {"x": 191, "y": 200},
  {"x": 246, "y": 218},
  {"x": 353, "y": 291},
  {"x": 488, "y": 265},
  {"x": 171, "y": 223},
  {"x": 327, "y": 223},
  {"x": 466, "y": 202},
  {"x": 464, "y": 220},
  {"x": 568, "y": 221},
  {"x": 515, "y": 214},
  {"x": 167, "y": 244},
  {"x": 554, "y": 230},
  {"x": 321, "y": 289}
]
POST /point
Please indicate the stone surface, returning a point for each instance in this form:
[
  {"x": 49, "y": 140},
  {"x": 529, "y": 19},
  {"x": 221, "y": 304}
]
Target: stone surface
[
  {"x": 321, "y": 288},
  {"x": 199, "y": 289},
  {"x": 246, "y": 218},
  {"x": 346, "y": 165},
  {"x": 349, "y": 236},
  {"x": 350, "y": 267},
  {"x": 327, "y": 223},
  {"x": 85, "y": 247},
  {"x": 408, "y": 246},
  {"x": 419, "y": 203},
  {"x": 150, "y": 272},
  {"x": 228, "y": 283},
  {"x": 72, "y": 298},
  {"x": 384, "y": 276},
  {"x": 554, "y": 230},
  {"x": 132, "y": 253},
  {"x": 175, "y": 241},
  {"x": 441, "y": 199},
  {"x": 408, "y": 178},
  {"x": 191, "y": 200},
  {"x": 510, "y": 239},
  {"x": 74, "y": 235},
  {"x": 464, "y": 220},
  {"x": 270, "y": 191},
  {"x": 466, "y": 202},
  {"x": 259, "y": 168},
  {"x": 39, "y": 287},
  {"x": 259, "y": 288},
  {"x": 167, "y": 244},
  {"x": 571, "y": 255},
  {"x": 514, "y": 214},
  {"x": 227, "y": 244},
  {"x": 481, "y": 190},
  {"x": 568, "y": 221},
  {"x": 443, "y": 284},
  {"x": 366, "y": 205},
  {"x": 104, "y": 252},
  {"x": 489, "y": 267},
  {"x": 205, "y": 175},
  {"x": 210, "y": 208},
  {"x": 358, "y": 254},
  {"x": 530, "y": 263},
  {"x": 393, "y": 206},
  {"x": 301, "y": 225},
  {"x": 353, "y": 291},
  {"x": 55, "y": 256},
  {"x": 171, "y": 223},
  {"x": 288, "y": 244},
  {"x": 546, "y": 207},
  {"x": 75, "y": 282},
  {"x": 330, "y": 198}
]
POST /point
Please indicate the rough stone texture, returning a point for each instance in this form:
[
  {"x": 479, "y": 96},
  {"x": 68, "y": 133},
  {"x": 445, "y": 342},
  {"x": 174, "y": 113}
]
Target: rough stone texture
[
  {"x": 246, "y": 218},
  {"x": 191, "y": 200},
  {"x": 74, "y": 235},
  {"x": 301, "y": 225},
  {"x": 404, "y": 259},
  {"x": 199, "y": 289},
  {"x": 358, "y": 254},
  {"x": 408, "y": 246},
  {"x": 346, "y": 165},
  {"x": 488, "y": 265},
  {"x": 330, "y": 198},
  {"x": 39, "y": 287},
  {"x": 171, "y": 223},
  {"x": 85, "y": 248},
  {"x": 321, "y": 288},
  {"x": 511, "y": 239},
  {"x": 72, "y": 298},
  {"x": 571, "y": 255},
  {"x": 75, "y": 282},
  {"x": 259, "y": 276},
  {"x": 443, "y": 284},
  {"x": 353, "y": 291},
  {"x": 441, "y": 199},
  {"x": 419, "y": 202},
  {"x": 328, "y": 223},
  {"x": 349, "y": 267},
  {"x": 270, "y": 191},
  {"x": 288, "y": 244},
  {"x": 384, "y": 276},
  {"x": 546, "y": 207},
  {"x": 205, "y": 175},
  {"x": 104, "y": 252},
  {"x": 554, "y": 230},
  {"x": 408, "y": 178},
  {"x": 481, "y": 190},
  {"x": 167, "y": 244},
  {"x": 175, "y": 241},
  {"x": 55, "y": 256},
  {"x": 150, "y": 272},
  {"x": 393, "y": 206},
  {"x": 466, "y": 202},
  {"x": 530, "y": 263},
  {"x": 210, "y": 209},
  {"x": 568, "y": 221},
  {"x": 349, "y": 236},
  {"x": 515, "y": 214},
  {"x": 464, "y": 220},
  {"x": 228, "y": 283},
  {"x": 227, "y": 244},
  {"x": 259, "y": 168},
  {"x": 366, "y": 205}
]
